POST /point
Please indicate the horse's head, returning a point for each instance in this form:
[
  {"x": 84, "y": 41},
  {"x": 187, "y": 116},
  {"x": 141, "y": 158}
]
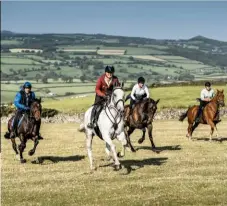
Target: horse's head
[
  {"x": 36, "y": 109},
  {"x": 152, "y": 106},
  {"x": 220, "y": 97},
  {"x": 117, "y": 97}
]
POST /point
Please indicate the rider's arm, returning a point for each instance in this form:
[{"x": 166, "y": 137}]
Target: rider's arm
[
  {"x": 147, "y": 92},
  {"x": 133, "y": 92},
  {"x": 98, "y": 88},
  {"x": 118, "y": 83},
  {"x": 17, "y": 102},
  {"x": 33, "y": 95}
]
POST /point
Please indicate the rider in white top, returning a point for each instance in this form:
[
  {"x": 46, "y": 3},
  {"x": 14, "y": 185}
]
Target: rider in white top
[
  {"x": 206, "y": 95},
  {"x": 139, "y": 92}
]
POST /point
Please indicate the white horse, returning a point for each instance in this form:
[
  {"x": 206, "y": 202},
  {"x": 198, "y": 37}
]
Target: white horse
[{"x": 110, "y": 124}]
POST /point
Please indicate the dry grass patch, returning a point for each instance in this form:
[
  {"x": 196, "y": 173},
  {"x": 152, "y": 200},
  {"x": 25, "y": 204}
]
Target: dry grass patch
[{"x": 183, "y": 173}]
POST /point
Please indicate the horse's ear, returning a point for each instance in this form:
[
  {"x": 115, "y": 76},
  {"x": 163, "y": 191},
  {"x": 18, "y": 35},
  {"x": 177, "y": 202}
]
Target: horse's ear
[
  {"x": 222, "y": 90},
  {"x": 157, "y": 101},
  {"x": 218, "y": 91},
  {"x": 40, "y": 99},
  {"x": 122, "y": 84}
]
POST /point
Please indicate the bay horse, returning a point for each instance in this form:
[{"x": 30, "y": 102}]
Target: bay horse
[
  {"x": 208, "y": 115},
  {"x": 110, "y": 126},
  {"x": 26, "y": 129},
  {"x": 141, "y": 118}
]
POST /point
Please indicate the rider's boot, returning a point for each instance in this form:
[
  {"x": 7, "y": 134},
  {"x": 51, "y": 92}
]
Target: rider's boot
[{"x": 91, "y": 123}]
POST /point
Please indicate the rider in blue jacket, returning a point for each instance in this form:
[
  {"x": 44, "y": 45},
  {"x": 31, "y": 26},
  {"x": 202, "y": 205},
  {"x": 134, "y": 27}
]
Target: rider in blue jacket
[{"x": 22, "y": 101}]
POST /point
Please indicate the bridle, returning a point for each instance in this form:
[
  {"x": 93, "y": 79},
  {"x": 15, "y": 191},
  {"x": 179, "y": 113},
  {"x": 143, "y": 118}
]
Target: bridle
[{"x": 119, "y": 113}]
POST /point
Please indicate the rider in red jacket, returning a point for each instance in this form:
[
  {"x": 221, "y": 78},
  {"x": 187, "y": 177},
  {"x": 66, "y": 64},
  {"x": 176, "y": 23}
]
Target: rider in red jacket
[{"x": 103, "y": 89}]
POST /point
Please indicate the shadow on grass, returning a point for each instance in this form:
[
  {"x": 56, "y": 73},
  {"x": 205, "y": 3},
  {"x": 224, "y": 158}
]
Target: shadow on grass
[
  {"x": 56, "y": 159},
  {"x": 160, "y": 149},
  {"x": 132, "y": 165},
  {"x": 220, "y": 139}
]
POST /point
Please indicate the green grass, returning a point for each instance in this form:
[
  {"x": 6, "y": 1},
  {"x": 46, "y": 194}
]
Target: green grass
[
  {"x": 8, "y": 42},
  {"x": 170, "y": 97},
  {"x": 15, "y": 60},
  {"x": 184, "y": 173}
]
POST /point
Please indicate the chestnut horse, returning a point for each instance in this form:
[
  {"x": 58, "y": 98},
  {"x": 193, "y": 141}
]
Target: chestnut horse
[{"x": 208, "y": 116}]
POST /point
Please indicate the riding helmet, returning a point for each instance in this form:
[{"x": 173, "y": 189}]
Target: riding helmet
[
  {"x": 207, "y": 84},
  {"x": 27, "y": 85},
  {"x": 109, "y": 69},
  {"x": 141, "y": 80}
]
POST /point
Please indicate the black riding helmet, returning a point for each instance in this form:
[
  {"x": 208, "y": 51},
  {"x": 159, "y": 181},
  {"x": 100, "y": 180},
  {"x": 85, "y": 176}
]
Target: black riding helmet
[
  {"x": 141, "y": 80},
  {"x": 207, "y": 84},
  {"x": 109, "y": 69}
]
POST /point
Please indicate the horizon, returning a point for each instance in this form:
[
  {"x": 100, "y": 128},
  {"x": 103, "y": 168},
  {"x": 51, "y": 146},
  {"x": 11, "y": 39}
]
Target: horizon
[{"x": 153, "y": 20}]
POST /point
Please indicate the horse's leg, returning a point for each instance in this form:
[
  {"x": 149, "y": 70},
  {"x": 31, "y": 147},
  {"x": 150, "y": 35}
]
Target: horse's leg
[
  {"x": 36, "y": 142},
  {"x": 21, "y": 148},
  {"x": 217, "y": 135},
  {"x": 108, "y": 152},
  {"x": 150, "y": 128},
  {"x": 212, "y": 128},
  {"x": 15, "y": 148},
  {"x": 113, "y": 149},
  {"x": 140, "y": 141},
  {"x": 122, "y": 138},
  {"x": 129, "y": 132},
  {"x": 89, "y": 149},
  {"x": 189, "y": 135}
]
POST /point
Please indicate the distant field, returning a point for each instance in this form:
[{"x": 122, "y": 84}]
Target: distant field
[
  {"x": 147, "y": 57},
  {"x": 15, "y": 60},
  {"x": 8, "y": 42},
  {"x": 110, "y": 52},
  {"x": 80, "y": 50}
]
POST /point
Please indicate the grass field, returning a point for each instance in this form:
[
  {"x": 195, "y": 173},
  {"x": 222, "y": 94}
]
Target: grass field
[
  {"x": 170, "y": 97},
  {"x": 15, "y": 60},
  {"x": 11, "y": 42},
  {"x": 183, "y": 173}
]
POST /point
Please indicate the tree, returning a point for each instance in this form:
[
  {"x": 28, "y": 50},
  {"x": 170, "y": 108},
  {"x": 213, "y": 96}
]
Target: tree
[
  {"x": 82, "y": 78},
  {"x": 45, "y": 80}
]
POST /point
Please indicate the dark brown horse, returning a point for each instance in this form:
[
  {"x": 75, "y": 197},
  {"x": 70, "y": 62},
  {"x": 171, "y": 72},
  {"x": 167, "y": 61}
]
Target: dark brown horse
[
  {"x": 27, "y": 129},
  {"x": 208, "y": 116},
  {"x": 141, "y": 118}
]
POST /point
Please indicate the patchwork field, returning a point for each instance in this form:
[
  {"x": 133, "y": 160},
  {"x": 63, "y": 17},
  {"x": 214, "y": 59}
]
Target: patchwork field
[{"x": 183, "y": 173}]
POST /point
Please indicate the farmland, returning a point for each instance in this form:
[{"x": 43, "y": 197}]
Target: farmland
[{"x": 84, "y": 57}]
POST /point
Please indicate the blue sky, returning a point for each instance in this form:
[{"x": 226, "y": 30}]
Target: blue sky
[{"x": 160, "y": 20}]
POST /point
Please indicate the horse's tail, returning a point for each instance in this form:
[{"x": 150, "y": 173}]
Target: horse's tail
[
  {"x": 7, "y": 135},
  {"x": 82, "y": 128},
  {"x": 183, "y": 116}
]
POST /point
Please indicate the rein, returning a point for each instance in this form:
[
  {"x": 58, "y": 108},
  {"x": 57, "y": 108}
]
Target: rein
[{"x": 119, "y": 113}]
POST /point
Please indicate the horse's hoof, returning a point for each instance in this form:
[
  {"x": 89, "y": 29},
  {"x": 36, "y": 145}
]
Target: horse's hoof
[
  {"x": 31, "y": 152},
  {"x": 133, "y": 150},
  {"x": 117, "y": 167},
  {"x": 23, "y": 161},
  {"x": 119, "y": 154},
  {"x": 155, "y": 150},
  {"x": 140, "y": 141},
  {"x": 18, "y": 157}
]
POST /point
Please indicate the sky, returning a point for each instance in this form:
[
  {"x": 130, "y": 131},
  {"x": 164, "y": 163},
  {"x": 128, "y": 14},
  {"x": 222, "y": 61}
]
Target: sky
[{"x": 159, "y": 20}]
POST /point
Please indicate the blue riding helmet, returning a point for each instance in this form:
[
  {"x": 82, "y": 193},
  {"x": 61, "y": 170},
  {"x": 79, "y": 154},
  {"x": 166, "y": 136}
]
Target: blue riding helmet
[{"x": 27, "y": 85}]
